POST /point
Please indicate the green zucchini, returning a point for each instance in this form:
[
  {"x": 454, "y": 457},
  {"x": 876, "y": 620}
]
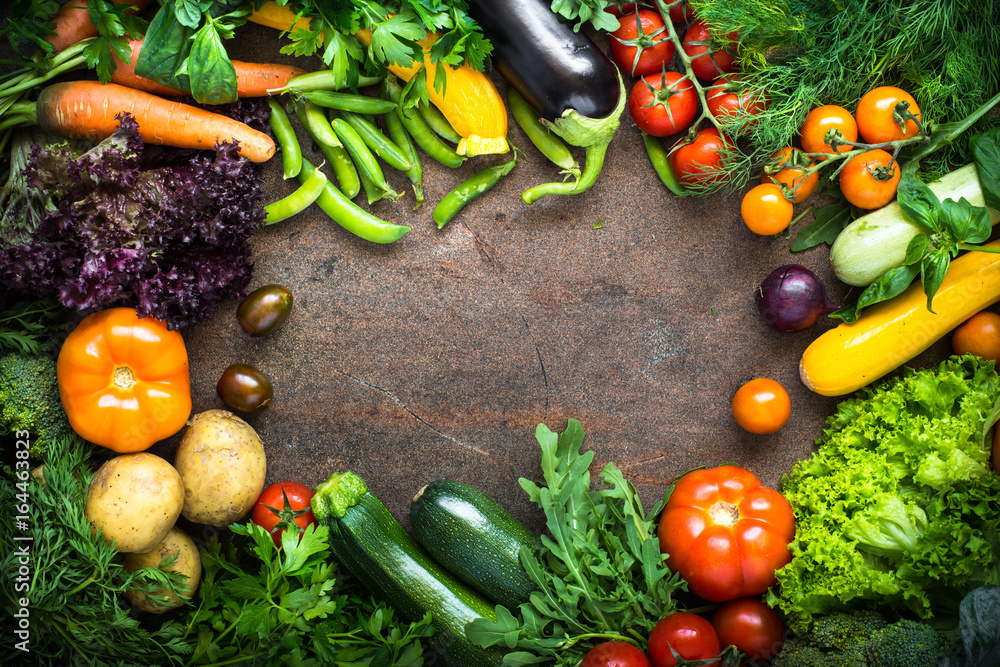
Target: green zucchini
[
  {"x": 377, "y": 550},
  {"x": 474, "y": 538}
]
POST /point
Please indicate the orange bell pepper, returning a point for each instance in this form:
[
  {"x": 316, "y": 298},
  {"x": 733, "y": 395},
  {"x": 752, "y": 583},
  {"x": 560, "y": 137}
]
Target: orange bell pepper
[{"x": 124, "y": 380}]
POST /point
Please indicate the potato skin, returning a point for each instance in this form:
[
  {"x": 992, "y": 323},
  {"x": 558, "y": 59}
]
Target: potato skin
[
  {"x": 221, "y": 461},
  {"x": 188, "y": 562},
  {"x": 134, "y": 500}
]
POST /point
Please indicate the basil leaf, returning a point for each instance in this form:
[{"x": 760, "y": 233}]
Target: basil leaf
[
  {"x": 188, "y": 13},
  {"x": 164, "y": 50},
  {"x": 919, "y": 204},
  {"x": 986, "y": 152},
  {"x": 827, "y": 224},
  {"x": 968, "y": 223},
  {"x": 916, "y": 249},
  {"x": 892, "y": 283},
  {"x": 212, "y": 75},
  {"x": 932, "y": 270}
]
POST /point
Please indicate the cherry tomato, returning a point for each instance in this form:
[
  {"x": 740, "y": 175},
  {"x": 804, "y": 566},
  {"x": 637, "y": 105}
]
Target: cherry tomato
[
  {"x": 978, "y": 335},
  {"x": 812, "y": 134},
  {"x": 626, "y": 8},
  {"x": 244, "y": 388},
  {"x": 765, "y": 209},
  {"x": 641, "y": 45},
  {"x": 728, "y": 96},
  {"x": 761, "y": 406},
  {"x": 706, "y": 62},
  {"x": 615, "y": 654},
  {"x": 751, "y": 626},
  {"x": 725, "y": 533},
  {"x": 274, "y": 515},
  {"x": 680, "y": 12},
  {"x": 264, "y": 310},
  {"x": 690, "y": 635},
  {"x": 699, "y": 161},
  {"x": 870, "y": 180},
  {"x": 792, "y": 178},
  {"x": 879, "y": 120},
  {"x": 663, "y": 104}
]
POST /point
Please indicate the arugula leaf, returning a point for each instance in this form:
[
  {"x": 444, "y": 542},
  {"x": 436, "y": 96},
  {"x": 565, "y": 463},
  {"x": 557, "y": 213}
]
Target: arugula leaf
[{"x": 827, "y": 224}]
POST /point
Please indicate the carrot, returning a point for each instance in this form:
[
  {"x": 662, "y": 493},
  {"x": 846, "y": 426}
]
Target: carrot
[
  {"x": 87, "y": 110},
  {"x": 252, "y": 79},
  {"x": 73, "y": 22}
]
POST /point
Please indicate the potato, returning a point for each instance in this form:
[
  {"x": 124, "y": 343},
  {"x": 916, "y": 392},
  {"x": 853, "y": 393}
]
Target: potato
[
  {"x": 188, "y": 562},
  {"x": 134, "y": 500},
  {"x": 221, "y": 462}
]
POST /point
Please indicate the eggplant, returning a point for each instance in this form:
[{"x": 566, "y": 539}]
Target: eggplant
[{"x": 540, "y": 55}]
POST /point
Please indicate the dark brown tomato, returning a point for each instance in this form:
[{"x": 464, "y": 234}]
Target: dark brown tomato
[
  {"x": 264, "y": 310},
  {"x": 244, "y": 388}
]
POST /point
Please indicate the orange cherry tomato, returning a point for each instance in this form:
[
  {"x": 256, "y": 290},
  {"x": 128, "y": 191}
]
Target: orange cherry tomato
[
  {"x": 765, "y": 209},
  {"x": 761, "y": 406},
  {"x": 725, "y": 533},
  {"x": 793, "y": 177},
  {"x": 978, "y": 335},
  {"x": 877, "y": 118},
  {"x": 870, "y": 180},
  {"x": 812, "y": 134},
  {"x": 124, "y": 380}
]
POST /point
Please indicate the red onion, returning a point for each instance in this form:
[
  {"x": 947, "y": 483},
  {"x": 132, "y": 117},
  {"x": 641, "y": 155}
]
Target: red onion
[{"x": 792, "y": 298}]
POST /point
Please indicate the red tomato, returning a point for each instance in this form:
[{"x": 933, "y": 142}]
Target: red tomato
[
  {"x": 765, "y": 210},
  {"x": 641, "y": 45},
  {"x": 615, "y": 654},
  {"x": 707, "y": 63},
  {"x": 699, "y": 161},
  {"x": 725, "y": 533},
  {"x": 751, "y": 626},
  {"x": 812, "y": 134},
  {"x": 626, "y": 8},
  {"x": 761, "y": 405},
  {"x": 663, "y": 104},
  {"x": 978, "y": 335},
  {"x": 680, "y": 11},
  {"x": 690, "y": 635},
  {"x": 270, "y": 508},
  {"x": 878, "y": 119},
  {"x": 729, "y": 97},
  {"x": 793, "y": 177},
  {"x": 870, "y": 180}
]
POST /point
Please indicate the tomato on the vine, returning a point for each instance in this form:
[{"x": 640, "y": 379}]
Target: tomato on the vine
[
  {"x": 699, "y": 161},
  {"x": 978, "y": 335},
  {"x": 761, "y": 405},
  {"x": 690, "y": 635},
  {"x": 626, "y": 8},
  {"x": 823, "y": 119},
  {"x": 615, "y": 654},
  {"x": 270, "y": 510},
  {"x": 725, "y": 533},
  {"x": 793, "y": 176},
  {"x": 729, "y": 96},
  {"x": 765, "y": 210},
  {"x": 706, "y": 62},
  {"x": 663, "y": 104},
  {"x": 680, "y": 11},
  {"x": 870, "y": 180},
  {"x": 751, "y": 626},
  {"x": 879, "y": 115},
  {"x": 641, "y": 45}
]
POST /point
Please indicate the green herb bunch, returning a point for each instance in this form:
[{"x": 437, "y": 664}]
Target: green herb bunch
[{"x": 599, "y": 570}]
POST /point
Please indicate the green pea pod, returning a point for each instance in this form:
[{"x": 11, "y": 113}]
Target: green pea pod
[
  {"x": 343, "y": 169},
  {"x": 316, "y": 123},
  {"x": 546, "y": 141},
  {"x": 309, "y": 190},
  {"x": 349, "y": 102},
  {"x": 421, "y": 133},
  {"x": 471, "y": 188},
  {"x": 364, "y": 160},
  {"x": 659, "y": 158},
  {"x": 352, "y": 217},
  {"x": 380, "y": 144},
  {"x": 323, "y": 80},
  {"x": 402, "y": 138},
  {"x": 438, "y": 123},
  {"x": 291, "y": 152}
]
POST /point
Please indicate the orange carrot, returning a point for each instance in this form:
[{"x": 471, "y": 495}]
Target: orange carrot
[
  {"x": 252, "y": 79},
  {"x": 87, "y": 110},
  {"x": 73, "y": 22}
]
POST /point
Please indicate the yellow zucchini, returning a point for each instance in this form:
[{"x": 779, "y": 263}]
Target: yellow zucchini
[
  {"x": 470, "y": 102},
  {"x": 888, "y": 334}
]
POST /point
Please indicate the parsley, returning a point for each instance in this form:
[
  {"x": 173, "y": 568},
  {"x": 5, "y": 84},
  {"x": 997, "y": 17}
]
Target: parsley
[{"x": 32, "y": 327}]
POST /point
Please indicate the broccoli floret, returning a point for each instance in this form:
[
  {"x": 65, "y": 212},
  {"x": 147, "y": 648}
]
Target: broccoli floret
[
  {"x": 846, "y": 630},
  {"x": 800, "y": 652},
  {"x": 905, "y": 643},
  {"x": 29, "y": 401}
]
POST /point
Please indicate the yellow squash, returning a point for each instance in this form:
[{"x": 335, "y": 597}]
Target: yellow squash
[
  {"x": 471, "y": 103},
  {"x": 887, "y": 335}
]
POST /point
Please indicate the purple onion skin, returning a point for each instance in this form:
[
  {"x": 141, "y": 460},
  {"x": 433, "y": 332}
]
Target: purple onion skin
[{"x": 792, "y": 299}]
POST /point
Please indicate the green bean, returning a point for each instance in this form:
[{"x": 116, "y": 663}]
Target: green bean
[
  {"x": 658, "y": 156},
  {"x": 343, "y": 169},
  {"x": 437, "y": 122},
  {"x": 323, "y": 80},
  {"x": 291, "y": 152},
  {"x": 550, "y": 145},
  {"x": 401, "y": 138},
  {"x": 423, "y": 135},
  {"x": 352, "y": 217},
  {"x": 380, "y": 144},
  {"x": 316, "y": 123},
  {"x": 308, "y": 191},
  {"x": 364, "y": 160},
  {"x": 472, "y": 187},
  {"x": 349, "y": 102}
]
